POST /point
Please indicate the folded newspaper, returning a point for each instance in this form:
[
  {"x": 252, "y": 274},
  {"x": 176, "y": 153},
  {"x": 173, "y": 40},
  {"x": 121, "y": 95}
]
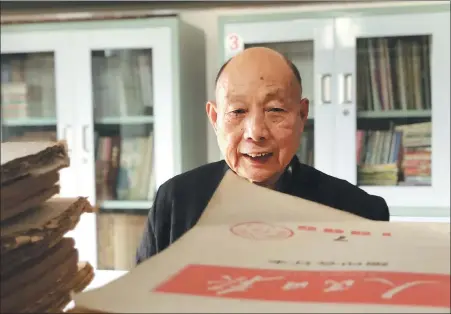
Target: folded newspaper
[
  {"x": 279, "y": 254},
  {"x": 34, "y": 158},
  {"x": 29, "y": 175}
]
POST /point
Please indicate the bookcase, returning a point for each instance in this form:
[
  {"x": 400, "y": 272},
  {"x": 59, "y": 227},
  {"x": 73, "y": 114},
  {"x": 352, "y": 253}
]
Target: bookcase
[
  {"x": 378, "y": 82},
  {"x": 122, "y": 94}
]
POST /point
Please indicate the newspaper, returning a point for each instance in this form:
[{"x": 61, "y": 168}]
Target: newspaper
[
  {"x": 21, "y": 159},
  {"x": 257, "y": 250}
]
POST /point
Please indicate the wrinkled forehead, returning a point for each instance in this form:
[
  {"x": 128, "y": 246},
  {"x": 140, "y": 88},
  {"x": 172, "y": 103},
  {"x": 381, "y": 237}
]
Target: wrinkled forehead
[{"x": 256, "y": 78}]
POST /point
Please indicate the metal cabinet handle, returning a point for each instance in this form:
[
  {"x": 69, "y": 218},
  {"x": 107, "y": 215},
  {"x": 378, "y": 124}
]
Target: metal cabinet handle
[
  {"x": 347, "y": 88},
  {"x": 325, "y": 89},
  {"x": 84, "y": 138},
  {"x": 67, "y": 137}
]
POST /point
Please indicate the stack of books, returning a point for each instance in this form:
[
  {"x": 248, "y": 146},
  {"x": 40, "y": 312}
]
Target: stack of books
[
  {"x": 39, "y": 266},
  {"x": 417, "y": 153},
  {"x": 383, "y": 174},
  {"x": 378, "y": 157}
]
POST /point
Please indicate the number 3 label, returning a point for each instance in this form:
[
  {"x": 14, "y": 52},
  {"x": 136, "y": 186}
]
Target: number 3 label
[{"x": 234, "y": 44}]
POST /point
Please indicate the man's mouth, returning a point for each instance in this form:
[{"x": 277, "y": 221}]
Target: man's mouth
[{"x": 258, "y": 157}]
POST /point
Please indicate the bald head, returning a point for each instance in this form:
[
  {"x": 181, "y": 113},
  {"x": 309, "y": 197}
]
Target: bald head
[
  {"x": 261, "y": 51},
  {"x": 259, "y": 114}
]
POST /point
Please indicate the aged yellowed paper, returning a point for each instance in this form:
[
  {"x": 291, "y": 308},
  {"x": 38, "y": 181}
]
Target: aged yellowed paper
[{"x": 256, "y": 250}]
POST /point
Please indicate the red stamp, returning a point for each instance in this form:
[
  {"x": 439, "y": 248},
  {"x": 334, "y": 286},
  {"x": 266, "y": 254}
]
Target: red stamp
[{"x": 261, "y": 231}]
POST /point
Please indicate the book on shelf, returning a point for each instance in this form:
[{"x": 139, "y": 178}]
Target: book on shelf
[
  {"x": 122, "y": 84},
  {"x": 401, "y": 155},
  {"x": 393, "y": 74},
  {"x": 417, "y": 153},
  {"x": 124, "y": 168},
  {"x": 28, "y": 86}
]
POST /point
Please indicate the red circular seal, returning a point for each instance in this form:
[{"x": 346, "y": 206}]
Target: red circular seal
[{"x": 261, "y": 231}]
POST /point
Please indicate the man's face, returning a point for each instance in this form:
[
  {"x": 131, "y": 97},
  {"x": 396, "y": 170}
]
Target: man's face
[{"x": 258, "y": 115}]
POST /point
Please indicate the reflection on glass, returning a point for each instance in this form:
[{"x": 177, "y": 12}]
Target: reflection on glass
[
  {"x": 28, "y": 85},
  {"x": 122, "y": 82},
  {"x": 301, "y": 54},
  {"x": 124, "y": 135},
  {"x": 124, "y": 163},
  {"x": 28, "y": 109},
  {"x": 394, "y": 111},
  {"x": 124, "y": 176}
]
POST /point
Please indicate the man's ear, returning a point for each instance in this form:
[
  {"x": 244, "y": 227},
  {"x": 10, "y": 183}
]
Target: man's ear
[
  {"x": 212, "y": 113},
  {"x": 304, "y": 108}
]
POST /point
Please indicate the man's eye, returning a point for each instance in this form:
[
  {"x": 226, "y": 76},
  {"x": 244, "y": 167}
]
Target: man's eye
[
  {"x": 277, "y": 110},
  {"x": 238, "y": 111}
]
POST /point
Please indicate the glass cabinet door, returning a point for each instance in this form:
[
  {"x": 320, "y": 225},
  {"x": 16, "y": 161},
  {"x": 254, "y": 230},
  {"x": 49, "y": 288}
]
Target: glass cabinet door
[
  {"x": 30, "y": 98},
  {"x": 123, "y": 118},
  {"x": 126, "y": 128},
  {"x": 393, "y": 111},
  {"x": 394, "y": 106},
  {"x": 309, "y": 45},
  {"x": 123, "y": 151},
  {"x": 28, "y": 104}
]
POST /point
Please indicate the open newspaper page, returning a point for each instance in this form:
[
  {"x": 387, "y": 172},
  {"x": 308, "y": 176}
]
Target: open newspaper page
[{"x": 256, "y": 250}]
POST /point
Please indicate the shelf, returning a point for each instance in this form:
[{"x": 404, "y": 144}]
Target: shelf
[
  {"x": 22, "y": 122},
  {"x": 126, "y": 205},
  {"x": 394, "y": 114},
  {"x": 125, "y": 120}
]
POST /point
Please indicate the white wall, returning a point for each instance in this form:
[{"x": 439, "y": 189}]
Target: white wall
[{"x": 207, "y": 20}]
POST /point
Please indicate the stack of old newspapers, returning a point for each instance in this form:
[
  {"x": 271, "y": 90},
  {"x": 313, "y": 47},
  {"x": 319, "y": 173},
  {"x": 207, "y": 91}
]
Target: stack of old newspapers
[
  {"x": 281, "y": 254},
  {"x": 39, "y": 266}
]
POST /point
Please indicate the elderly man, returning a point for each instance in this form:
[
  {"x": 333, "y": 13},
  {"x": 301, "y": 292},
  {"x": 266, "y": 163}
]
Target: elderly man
[{"x": 258, "y": 117}]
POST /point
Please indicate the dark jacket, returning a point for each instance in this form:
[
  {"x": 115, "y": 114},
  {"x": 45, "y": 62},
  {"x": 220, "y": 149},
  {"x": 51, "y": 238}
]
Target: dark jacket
[{"x": 180, "y": 201}]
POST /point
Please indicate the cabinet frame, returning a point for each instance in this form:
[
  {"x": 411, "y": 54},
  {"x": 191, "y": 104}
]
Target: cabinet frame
[
  {"x": 29, "y": 41},
  {"x": 428, "y": 207},
  {"x": 176, "y": 143},
  {"x": 348, "y": 31}
]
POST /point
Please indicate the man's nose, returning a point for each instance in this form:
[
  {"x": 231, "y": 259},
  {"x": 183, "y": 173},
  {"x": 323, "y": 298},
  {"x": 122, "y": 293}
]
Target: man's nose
[{"x": 256, "y": 128}]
